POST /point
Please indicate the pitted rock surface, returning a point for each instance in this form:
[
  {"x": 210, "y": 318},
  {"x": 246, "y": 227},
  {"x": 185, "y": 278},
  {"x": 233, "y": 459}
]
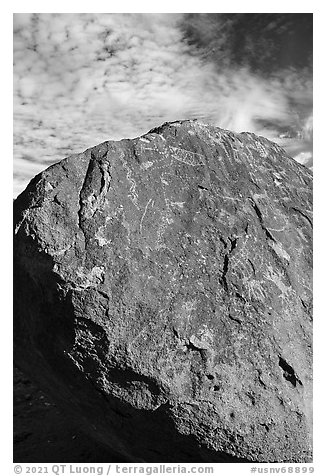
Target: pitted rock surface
[{"x": 163, "y": 295}]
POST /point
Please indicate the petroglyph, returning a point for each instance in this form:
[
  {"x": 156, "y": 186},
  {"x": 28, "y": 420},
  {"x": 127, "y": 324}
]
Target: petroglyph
[
  {"x": 166, "y": 220},
  {"x": 278, "y": 280},
  {"x": 62, "y": 251},
  {"x": 187, "y": 157},
  {"x": 92, "y": 278},
  {"x": 102, "y": 240},
  {"x": 263, "y": 151},
  {"x": 255, "y": 290},
  {"x": 133, "y": 195},
  {"x": 177, "y": 204},
  {"x": 226, "y": 197},
  {"x": 279, "y": 250},
  {"x": 146, "y": 165},
  {"x": 143, "y": 215}
]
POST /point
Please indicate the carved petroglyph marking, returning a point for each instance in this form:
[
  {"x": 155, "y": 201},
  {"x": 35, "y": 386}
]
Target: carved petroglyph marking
[
  {"x": 133, "y": 193},
  {"x": 146, "y": 165},
  {"x": 177, "y": 204},
  {"x": 186, "y": 310},
  {"x": 161, "y": 153},
  {"x": 143, "y": 148},
  {"x": 91, "y": 278},
  {"x": 126, "y": 225},
  {"x": 279, "y": 250},
  {"x": 275, "y": 278},
  {"x": 102, "y": 241},
  {"x": 143, "y": 216},
  {"x": 255, "y": 290},
  {"x": 237, "y": 263},
  {"x": 190, "y": 158},
  {"x": 62, "y": 251},
  {"x": 166, "y": 220},
  {"x": 236, "y": 155},
  {"x": 305, "y": 286},
  {"x": 261, "y": 149},
  {"x": 258, "y": 196},
  {"x": 166, "y": 214},
  {"x": 277, "y": 182},
  {"x": 226, "y": 197}
]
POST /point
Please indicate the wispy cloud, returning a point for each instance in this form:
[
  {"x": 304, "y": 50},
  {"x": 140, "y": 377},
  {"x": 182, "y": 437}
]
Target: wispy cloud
[{"x": 80, "y": 79}]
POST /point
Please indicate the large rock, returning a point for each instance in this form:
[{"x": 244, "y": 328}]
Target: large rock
[{"x": 163, "y": 295}]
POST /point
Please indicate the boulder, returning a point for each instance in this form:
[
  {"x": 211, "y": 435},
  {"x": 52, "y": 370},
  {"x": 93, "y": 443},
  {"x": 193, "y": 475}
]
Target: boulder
[{"x": 162, "y": 295}]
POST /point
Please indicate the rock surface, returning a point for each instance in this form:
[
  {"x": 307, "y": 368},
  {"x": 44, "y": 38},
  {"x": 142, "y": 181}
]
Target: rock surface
[{"x": 162, "y": 293}]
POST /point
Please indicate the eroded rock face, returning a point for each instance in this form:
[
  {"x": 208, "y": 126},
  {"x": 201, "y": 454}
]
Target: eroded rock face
[{"x": 163, "y": 293}]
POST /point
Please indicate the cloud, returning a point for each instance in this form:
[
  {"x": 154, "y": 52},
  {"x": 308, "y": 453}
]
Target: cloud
[
  {"x": 264, "y": 62},
  {"x": 80, "y": 79}
]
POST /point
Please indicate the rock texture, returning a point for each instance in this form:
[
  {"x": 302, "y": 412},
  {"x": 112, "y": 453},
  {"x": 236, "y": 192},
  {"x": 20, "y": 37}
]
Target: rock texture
[
  {"x": 163, "y": 295},
  {"x": 44, "y": 433}
]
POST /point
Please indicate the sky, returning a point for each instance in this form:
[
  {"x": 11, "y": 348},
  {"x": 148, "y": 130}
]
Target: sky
[{"x": 83, "y": 78}]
